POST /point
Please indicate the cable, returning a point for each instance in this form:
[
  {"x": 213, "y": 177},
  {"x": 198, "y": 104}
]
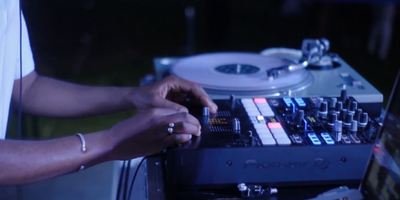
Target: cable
[
  {"x": 134, "y": 177},
  {"x": 121, "y": 176},
  {"x": 19, "y": 190},
  {"x": 20, "y": 74},
  {"x": 127, "y": 179}
]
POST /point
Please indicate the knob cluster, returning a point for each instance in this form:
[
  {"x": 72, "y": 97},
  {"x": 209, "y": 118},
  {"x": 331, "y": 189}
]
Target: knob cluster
[{"x": 343, "y": 114}]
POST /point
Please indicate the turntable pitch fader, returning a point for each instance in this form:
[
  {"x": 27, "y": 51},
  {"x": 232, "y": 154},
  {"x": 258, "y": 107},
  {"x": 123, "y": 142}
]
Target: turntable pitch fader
[{"x": 276, "y": 142}]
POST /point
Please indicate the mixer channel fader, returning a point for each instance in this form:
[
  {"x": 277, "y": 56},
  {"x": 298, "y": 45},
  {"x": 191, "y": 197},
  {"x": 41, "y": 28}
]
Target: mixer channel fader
[{"x": 275, "y": 141}]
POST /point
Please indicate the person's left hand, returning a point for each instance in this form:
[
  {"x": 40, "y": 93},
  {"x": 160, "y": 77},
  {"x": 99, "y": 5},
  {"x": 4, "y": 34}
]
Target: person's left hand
[{"x": 168, "y": 93}]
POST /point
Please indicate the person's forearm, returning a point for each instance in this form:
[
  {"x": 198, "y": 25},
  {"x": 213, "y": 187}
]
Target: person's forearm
[
  {"x": 23, "y": 162},
  {"x": 54, "y": 98}
]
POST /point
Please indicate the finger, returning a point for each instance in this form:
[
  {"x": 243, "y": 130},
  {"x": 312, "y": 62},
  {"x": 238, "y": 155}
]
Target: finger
[
  {"x": 165, "y": 103},
  {"x": 179, "y": 85},
  {"x": 181, "y": 117},
  {"x": 184, "y": 127},
  {"x": 177, "y": 139}
]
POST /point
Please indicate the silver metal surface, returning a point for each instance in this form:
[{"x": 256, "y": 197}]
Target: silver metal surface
[{"x": 327, "y": 83}]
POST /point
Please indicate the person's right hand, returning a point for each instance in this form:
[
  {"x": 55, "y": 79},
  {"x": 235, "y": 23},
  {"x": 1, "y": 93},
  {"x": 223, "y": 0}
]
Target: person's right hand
[{"x": 146, "y": 133}]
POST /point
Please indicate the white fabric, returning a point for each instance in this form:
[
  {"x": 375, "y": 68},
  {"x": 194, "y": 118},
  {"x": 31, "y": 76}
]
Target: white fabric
[{"x": 10, "y": 55}]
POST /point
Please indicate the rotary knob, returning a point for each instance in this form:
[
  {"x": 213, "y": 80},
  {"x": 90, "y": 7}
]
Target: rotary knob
[
  {"x": 348, "y": 119},
  {"x": 343, "y": 114},
  {"x": 332, "y": 102},
  {"x": 353, "y": 107},
  {"x": 358, "y": 114},
  {"x": 338, "y": 107},
  {"x": 337, "y": 130},
  {"x": 363, "y": 119},
  {"x": 332, "y": 117},
  {"x": 323, "y": 110},
  {"x": 353, "y": 127}
]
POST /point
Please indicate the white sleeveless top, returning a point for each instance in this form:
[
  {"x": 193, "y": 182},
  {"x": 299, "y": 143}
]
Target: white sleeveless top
[{"x": 10, "y": 55}]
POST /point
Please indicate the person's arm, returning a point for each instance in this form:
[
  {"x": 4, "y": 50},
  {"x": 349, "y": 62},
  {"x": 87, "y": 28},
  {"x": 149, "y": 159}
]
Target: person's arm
[
  {"x": 144, "y": 134},
  {"x": 49, "y": 97},
  {"x": 25, "y": 162}
]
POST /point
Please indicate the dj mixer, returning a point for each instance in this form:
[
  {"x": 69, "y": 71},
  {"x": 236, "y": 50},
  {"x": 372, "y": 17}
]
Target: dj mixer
[{"x": 285, "y": 141}]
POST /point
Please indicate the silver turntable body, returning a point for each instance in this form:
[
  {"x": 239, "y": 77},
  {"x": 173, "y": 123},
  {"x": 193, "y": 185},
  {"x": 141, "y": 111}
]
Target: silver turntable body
[{"x": 274, "y": 72}]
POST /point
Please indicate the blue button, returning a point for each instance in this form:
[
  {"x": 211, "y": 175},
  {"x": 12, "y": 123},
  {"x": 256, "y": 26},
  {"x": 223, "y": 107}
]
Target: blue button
[
  {"x": 287, "y": 101},
  {"x": 300, "y": 101},
  {"x": 328, "y": 139},
  {"x": 314, "y": 139}
]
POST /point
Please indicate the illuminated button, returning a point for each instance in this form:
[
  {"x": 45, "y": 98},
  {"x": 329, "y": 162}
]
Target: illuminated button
[
  {"x": 279, "y": 135},
  {"x": 278, "y": 130},
  {"x": 300, "y": 101},
  {"x": 247, "y": 101},
  {"x": 328, "y": 139},
  {"x": 287, "y": 101},
  {"x": 260, "y": 100},
  {"x": 265, "y": 110},
  {"x": 263, "y": 131},
  {"x": 248, "y": 109},
  {"x": 265, "y": 136},
  {"x": 253, "y": 113},
  {"x": 260, "y": 126},
  {"x": 273, "y": 125},
  {"x": 268, "y": 114},
  {"x": 314, "y": 139},
  {"x": 283, "y": 141},
  {"x": 259, "y": 118},
  {"x": 250, "y": 105},
  {"x": 268, "y": 141},
  {"x": 263, "y": 105}
]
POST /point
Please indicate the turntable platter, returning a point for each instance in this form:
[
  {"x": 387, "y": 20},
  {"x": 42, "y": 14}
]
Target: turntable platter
[{"x": 239, "y": 74}]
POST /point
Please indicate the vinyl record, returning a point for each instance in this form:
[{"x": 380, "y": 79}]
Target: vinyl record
[{"x": 239, "y": 74}]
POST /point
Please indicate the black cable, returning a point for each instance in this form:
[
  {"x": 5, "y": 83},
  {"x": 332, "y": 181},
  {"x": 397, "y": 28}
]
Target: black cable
[
  {"x": 121, "y": 176},
  {"x": 20, "y": 74},
  {"x": 134, "y": 177},
  {"x": 19, "y": 135},
  {"x": 127, "y": 179}
]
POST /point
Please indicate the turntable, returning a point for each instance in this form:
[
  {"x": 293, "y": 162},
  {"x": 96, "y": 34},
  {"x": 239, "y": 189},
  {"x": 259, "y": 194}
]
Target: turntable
[{"x": 275, "y": 72}]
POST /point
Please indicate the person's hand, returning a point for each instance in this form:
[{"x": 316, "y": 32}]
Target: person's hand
[
  {"x": 146, "y": 133},
  {"x": 168, "y": 93}
]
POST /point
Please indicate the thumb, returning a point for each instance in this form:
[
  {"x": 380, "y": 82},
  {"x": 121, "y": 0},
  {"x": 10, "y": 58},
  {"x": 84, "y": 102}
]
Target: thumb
[{"x": 165, "y": 103}]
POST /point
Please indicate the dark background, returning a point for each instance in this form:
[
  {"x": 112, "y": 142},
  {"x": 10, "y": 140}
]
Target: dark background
[{"x": 104, "y": 42}]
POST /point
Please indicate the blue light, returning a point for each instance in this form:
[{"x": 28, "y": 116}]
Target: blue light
[
  {"x": 328, "y": 139},
  {"x": 300, "y": 101},
  {"x": 314, "y": 139}
]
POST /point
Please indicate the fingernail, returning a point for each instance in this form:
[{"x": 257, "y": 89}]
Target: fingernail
[
  {"x": 190, "y": 136},
  {"x": 215, "y": 106}
]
